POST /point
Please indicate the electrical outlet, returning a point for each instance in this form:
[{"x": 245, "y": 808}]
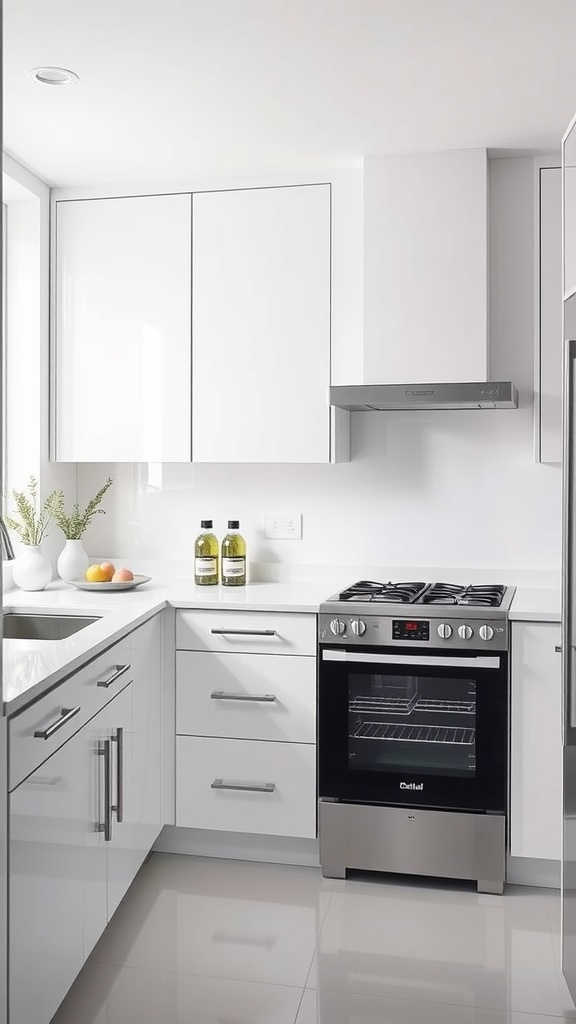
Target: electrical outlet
[{"x": 283, "y": 526}]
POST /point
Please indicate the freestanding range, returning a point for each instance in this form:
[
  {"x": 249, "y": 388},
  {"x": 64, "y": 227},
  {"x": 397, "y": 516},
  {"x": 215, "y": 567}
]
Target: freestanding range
[{"x": 413, "y": 708}]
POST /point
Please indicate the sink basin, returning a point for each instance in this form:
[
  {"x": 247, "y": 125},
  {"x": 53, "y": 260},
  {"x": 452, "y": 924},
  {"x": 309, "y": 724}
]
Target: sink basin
[{"x": 26, "y": 626}]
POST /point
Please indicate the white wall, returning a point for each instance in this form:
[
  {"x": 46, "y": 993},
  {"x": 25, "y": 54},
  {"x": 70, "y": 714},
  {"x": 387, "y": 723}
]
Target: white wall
[{"x": 423, "y": 488}]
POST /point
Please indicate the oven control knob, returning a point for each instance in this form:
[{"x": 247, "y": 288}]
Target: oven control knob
[
  {"x": 486, "y": 632},
  {"x": 465, "y": 632},
  {"x": 444, "y": 631},
  {"x": 358, "y": 627},
  {"x": 338, "y": 627}
]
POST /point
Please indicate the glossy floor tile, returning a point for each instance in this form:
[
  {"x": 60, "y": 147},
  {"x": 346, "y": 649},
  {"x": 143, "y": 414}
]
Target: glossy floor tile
[
  {"x": 127, "y": 995},
  {"x": 227, "y": 942},
  {"x": 334, "y": 1008}
]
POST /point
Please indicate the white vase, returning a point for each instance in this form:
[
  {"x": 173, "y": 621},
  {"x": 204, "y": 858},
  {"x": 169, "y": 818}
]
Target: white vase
[
  {"x": 32, "y": 570},
  {"x": 72, "y": 561}
]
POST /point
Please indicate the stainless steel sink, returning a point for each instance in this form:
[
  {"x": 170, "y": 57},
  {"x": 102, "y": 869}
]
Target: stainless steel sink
[{"x": 27, "y": 626}]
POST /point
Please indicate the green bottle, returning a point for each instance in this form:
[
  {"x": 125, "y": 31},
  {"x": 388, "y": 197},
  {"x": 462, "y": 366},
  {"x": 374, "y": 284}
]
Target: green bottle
[
  {"x": 206, "y": 556},
  {"x": 233, "y": 557}
]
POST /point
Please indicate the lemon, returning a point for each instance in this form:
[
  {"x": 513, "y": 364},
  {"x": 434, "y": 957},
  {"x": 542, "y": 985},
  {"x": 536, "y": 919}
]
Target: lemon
[{"x": 95, "y": 574}]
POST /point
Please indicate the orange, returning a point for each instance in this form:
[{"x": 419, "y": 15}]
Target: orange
[
  {"x": 109, "y": 568},
  {"x": 95, "y": 574}
]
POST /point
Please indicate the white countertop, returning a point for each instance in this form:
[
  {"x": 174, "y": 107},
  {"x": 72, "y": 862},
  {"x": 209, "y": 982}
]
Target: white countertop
[{"x": 30, "y": 667}]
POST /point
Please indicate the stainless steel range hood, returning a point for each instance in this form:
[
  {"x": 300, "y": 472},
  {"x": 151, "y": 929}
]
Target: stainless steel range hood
[{"x": 468, "y": 395}]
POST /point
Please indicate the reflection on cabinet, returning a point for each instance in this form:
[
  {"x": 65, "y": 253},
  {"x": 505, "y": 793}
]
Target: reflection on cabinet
[
  {"x": 71, "y": 858},
  {"x": 261, "y": 326},
  {"x": 246, "y": 722},
  {"x": 121, "y": 333},
  {"x": 536, "y": 745},
  {"x": 548, "y": 387}
]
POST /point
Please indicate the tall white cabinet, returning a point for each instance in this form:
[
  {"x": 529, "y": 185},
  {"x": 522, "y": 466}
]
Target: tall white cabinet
[
  {"x": 121, "y": 353},
  {"x": 261, "y": 325}
]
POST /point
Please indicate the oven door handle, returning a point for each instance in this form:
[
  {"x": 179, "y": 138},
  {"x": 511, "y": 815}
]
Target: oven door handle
[{"x": 474, "y": 661}]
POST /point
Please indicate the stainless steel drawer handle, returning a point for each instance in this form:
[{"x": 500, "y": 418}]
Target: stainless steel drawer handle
[
  {"x": 65, "y": 715},
  {"x": 245, "y": 632},
  {"x": 266, "y": 698},
  {"x": 117, "y": 671},
  {"x": 558, "y": 648},
  {"x": 119, "y": 805},
  {"x": 105, "y": 751},
  {"x": 248, "y": 787}
]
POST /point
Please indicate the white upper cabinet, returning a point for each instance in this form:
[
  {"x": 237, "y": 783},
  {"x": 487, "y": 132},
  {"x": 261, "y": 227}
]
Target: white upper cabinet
[
  {"x": 548, "y": 383},
  {"x": 121, "y": 352},
  {"x": 569, "y": 203},
  {"x": 261, "y": 325},
  {"x": 426, "y": 268}
]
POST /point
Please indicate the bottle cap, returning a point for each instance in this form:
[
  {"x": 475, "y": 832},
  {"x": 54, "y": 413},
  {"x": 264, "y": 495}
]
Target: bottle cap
[
  {"x": 233, "y": 524},
  {"x": 206, "y": 523}
]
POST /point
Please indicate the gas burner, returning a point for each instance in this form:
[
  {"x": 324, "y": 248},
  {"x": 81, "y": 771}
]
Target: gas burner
[
  {"x": 473, "y": 596},
  {"x": 384, "y": 593}
]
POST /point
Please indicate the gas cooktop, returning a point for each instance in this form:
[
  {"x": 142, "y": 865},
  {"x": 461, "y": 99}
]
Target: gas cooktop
[
  {"x": 484, "y": 595},
  {"x": 435, "y": 600}
]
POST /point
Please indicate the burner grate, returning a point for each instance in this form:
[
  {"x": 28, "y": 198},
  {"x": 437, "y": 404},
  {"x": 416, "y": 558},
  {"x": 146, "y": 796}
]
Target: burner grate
[{"x": 386, "y": 593}]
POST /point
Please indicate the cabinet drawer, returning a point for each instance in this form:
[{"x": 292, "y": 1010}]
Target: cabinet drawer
[
  {"x": 89, "y": 689},
  {"x": 254, "y": 632},
  {"x": 245, "y": 696},
  {"x": 281, "y": 802}
]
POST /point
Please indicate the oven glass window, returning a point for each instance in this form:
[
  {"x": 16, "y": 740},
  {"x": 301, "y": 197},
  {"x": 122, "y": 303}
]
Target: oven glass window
[{"x": 412, "y": 723}]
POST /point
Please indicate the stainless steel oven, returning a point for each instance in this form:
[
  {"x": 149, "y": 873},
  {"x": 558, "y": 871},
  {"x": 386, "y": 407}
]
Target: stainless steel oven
[{"x": 413, "y": 710}]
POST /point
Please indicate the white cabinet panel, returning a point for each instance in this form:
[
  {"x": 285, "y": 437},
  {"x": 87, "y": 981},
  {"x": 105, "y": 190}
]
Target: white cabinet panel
[
  {"x": 49, "y": 822},
  {"x": 116, "y": 726},
  {"x": 261, "y": 325},
  {"x": 148, "y": 778},
  {"x": 122, "y": 329},
  {"x": 243, "y": 696},
  {"x": 281, "y": 779},
  {"x": 548, "y": 388},
  {"x": 536, "y": 747},
  {"x": 426, "y": 268},
  {"x": 246, "y": 632}
]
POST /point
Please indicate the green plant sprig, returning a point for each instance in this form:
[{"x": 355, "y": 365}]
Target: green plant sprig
[
  {"x": 32, "y": 525},
  {"x": 74, "y": 524}
]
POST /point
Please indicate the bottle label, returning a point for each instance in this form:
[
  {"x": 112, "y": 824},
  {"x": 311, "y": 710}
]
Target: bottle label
[
  {"x": 234, "y": 566},
  {"x": 205, "y": 567}
]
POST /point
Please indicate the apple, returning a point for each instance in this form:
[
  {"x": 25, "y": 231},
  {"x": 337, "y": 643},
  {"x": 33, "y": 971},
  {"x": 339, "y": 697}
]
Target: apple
[
  {"x": 122, "y": 576},
  {"x": 109, "y": 568}
]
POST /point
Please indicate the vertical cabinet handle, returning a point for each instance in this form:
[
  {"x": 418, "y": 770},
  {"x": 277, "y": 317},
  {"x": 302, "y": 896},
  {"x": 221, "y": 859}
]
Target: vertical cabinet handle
[
  {"x": 119, "y": 805},
  {"x": 105, "y": 751}
]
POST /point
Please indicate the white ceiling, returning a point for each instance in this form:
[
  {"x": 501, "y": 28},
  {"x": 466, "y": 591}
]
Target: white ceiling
[{"x": 177, "y": 88}]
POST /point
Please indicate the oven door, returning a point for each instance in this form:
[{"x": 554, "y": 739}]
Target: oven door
[{"x": 412, "y": 728}]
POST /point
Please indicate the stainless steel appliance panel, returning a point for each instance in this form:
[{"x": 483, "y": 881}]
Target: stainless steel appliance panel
[{"x": 413, "y": 841}]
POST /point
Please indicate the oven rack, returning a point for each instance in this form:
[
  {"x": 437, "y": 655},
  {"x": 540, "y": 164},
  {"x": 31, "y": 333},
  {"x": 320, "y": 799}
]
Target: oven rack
[
  {"x": 405, "y": 705},
  {"x": 414, "y": 733}
]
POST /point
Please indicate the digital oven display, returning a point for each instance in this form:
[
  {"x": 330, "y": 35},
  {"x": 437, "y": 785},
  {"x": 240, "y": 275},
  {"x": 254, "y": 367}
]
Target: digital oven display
[{"x": 410, "y": 629}]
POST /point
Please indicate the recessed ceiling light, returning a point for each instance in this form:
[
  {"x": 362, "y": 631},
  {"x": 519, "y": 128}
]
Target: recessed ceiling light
[{"x": 53, "y": 76}]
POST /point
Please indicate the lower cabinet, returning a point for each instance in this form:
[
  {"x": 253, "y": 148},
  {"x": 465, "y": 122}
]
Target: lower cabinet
[
  {"x": 71, "y": 858},
  {"x": 246, "y": 786},
  {"x": 246, "y": 722},
  {"x": 146, "y": 657},
  {"x": 536, "y": 742}
]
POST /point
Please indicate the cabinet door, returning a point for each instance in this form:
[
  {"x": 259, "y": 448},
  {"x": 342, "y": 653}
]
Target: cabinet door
[
  {"x": 116, "y": 726},
  {"x": 426, "y": 268},
  {"x": 49, "y": 870},
  {"x": 261, "y": 325},
  {"x": 569, "y": 210},
  {"x": 536, "y": 748},
  {"x": 122, "y": 330},
  {"x": 549, "y": 329},
  {"x": 147, "y": 665}
]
